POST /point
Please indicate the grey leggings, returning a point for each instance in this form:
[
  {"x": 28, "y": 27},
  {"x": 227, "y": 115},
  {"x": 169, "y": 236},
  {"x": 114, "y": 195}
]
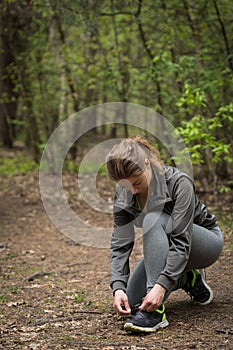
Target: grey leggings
[{"x": 205, "y": 249}]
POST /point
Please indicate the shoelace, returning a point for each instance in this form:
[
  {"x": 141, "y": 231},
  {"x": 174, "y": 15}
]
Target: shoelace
[{"x": 135, "y": 309}]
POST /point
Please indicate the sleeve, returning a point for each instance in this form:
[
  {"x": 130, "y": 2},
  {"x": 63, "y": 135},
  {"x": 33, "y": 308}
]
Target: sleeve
[
  {"x": 122, "y": 243},
  {"x": 181, "y": 234}
]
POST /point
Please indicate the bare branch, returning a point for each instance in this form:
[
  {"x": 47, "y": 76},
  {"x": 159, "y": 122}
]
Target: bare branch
[
  {"x": 224, "y": 34},
  {"x": 116, "y": 13}
]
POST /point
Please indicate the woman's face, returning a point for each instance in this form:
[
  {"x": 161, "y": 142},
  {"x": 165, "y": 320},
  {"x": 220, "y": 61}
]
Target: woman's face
[{"x": 139, "y": 184}]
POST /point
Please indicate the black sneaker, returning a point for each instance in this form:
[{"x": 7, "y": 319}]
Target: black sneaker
[
  {"x": 142, "y": 321},
  {"x": 197, "y": 288}
]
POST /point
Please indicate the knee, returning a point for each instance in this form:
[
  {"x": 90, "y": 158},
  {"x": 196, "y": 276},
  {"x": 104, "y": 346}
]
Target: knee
[{"x": 155, "y": 219}]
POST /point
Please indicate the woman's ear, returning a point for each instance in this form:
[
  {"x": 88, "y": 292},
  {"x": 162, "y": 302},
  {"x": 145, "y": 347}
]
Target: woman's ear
[{"x": 147, "y": 162}]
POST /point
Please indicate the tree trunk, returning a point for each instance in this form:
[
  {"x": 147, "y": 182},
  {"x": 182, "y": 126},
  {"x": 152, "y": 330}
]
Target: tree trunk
[
  {"x": 150, "y": 55},
  {"x": 224, "y": 35},
  {"x": 8, "y": 102}
]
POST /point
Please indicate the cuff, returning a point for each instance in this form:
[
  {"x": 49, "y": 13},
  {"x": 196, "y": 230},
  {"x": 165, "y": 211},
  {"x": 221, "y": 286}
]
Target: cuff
[
  {"x": 118, "y": 285},
  {"x": 165, "y": 282}
]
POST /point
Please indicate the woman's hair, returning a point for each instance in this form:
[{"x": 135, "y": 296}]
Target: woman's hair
[{"x": 127, "y": 158}]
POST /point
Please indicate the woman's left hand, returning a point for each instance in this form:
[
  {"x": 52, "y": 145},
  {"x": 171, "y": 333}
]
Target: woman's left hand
[{"x": 153, "y": 299}]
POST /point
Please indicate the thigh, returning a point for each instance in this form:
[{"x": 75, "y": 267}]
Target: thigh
[{"x": 206, "y": 247}]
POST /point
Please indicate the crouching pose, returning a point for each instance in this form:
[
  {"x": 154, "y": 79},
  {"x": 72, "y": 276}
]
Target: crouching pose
[{"x": 180, "y": 236}]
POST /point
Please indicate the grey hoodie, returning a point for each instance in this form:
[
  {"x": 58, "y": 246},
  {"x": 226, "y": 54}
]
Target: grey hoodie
[{"x": 173, "y": 193}]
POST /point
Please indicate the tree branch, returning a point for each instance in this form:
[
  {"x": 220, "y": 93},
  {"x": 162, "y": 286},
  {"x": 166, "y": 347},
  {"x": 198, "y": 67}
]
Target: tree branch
[
  {"x": 147, "y": 48},
  {"x": 224, "y": 34},
  {"x": 67, "y": 319},
  {"x": 112, "y": 14}
]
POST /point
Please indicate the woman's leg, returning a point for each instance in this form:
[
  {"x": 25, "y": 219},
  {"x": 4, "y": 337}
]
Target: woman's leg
[
  {"x": 156, "y": 247},
  {"x": 156, "y": 232},
  {"x": 136, "y": 289},
  {"x": 206, "y": 247}
]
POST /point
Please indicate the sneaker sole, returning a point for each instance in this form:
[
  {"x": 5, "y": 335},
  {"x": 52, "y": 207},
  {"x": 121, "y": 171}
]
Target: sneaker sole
[
  {"x": 211, "y": 297},
  {"x": 130, "y": 327}
]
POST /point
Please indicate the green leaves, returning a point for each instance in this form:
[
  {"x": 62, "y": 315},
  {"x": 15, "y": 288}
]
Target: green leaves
[
  {"x": 16, "y": 165},
  {"x": 169, "y": 56},
  {"x": 204, "y": 135}
]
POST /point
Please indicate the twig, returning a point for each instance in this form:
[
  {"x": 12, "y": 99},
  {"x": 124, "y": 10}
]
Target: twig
[
  {"x": 42, "y": 274},
  {"x": 69, "y": 318},
  {"x": 60, "y": 319},
  {"x": 114, "y": 344},
  {"x": 78, "y": 263},
  {"x": 224, "y": 331},
  {"x": 37, "y": 275}
]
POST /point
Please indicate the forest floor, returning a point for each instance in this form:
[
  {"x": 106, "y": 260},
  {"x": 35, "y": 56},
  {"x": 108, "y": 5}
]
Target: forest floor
[{"x": 55, "y": 293}]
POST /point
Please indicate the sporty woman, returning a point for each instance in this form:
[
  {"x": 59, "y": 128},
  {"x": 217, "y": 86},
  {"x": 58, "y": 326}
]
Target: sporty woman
[{"x": 180, "y": 236}]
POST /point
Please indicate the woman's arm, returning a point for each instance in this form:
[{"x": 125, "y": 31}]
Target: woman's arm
[
  {"x": 181, "y": 236},
  {"x": 121, "y": 247}
]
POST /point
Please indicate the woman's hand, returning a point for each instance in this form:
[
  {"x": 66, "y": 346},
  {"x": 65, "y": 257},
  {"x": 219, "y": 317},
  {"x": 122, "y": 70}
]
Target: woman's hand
[
  {"x": 121, "y": 303},
  {"x": 153, "y": 299}
]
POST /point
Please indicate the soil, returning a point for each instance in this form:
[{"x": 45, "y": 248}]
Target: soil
[{"x": 55, "y": 292}]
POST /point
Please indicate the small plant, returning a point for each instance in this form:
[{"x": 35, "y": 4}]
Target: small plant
[
  {"x": 79, "y": 298},
  {"x": 48, "y": 300},
  {"x": 13, "y": 290},
  {"x": 18, "y": 164},
  {"x": 70, "y": 166},
  {"x": 3, "y": 299},
  {"x": 65, "y": 338}
]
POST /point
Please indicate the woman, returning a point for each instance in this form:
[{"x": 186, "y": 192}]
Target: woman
[{"x": 180, "y": 236}]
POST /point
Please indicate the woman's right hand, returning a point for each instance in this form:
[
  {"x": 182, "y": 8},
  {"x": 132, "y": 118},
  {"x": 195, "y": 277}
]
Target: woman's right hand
[{"x": 121, "y": 303}]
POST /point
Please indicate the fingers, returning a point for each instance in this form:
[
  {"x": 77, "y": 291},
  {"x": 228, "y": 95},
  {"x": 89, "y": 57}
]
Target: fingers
[
  {"x": 153, "y": 299},
  {"x": 122, "y": 310},
  {"x": 121, "y": 303},
  {"x": 149, "y": 304},
  {"x": 149, "y": 307},
  {"x": 127, "y": 307}
]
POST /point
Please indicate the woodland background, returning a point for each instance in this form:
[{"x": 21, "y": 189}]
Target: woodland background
[{"x": 58, "y": 57}]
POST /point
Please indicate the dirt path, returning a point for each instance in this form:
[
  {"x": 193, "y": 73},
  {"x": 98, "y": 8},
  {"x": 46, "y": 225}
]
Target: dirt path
[{"x": 55, "y": 293}]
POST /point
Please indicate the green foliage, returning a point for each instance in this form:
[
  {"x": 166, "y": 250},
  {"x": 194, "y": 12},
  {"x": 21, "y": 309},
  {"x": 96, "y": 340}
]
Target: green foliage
[
  {"x": 81, "y": 297},
  {"x": 192, "y": 98},
  {"x": 13, "y": 290},
  {"x": 70, "y": 166},
  {"x": 83, "y": 53},
  {"x": 225, "y": 113},
  {"x": 203, "y": 135},
  {"x": 16, "y": 165},
  {"x": 89, "y": 167},
  {"x": 103, "y": 170},
  {"x": 3, "y": 299},
  {"x": 199, "y": 135},
  {"x": 226, "y": 189}
]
